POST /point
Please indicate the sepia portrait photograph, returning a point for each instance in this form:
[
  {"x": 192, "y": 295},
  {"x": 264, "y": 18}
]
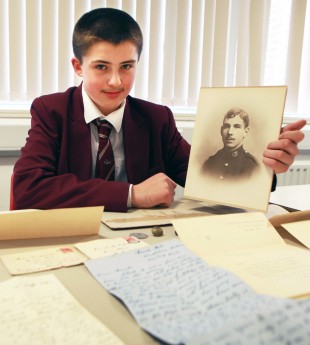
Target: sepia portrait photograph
[{"x": 232, "y": 129}]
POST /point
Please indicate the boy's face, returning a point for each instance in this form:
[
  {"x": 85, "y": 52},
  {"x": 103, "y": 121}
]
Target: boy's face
[
  {"x": 108, "y": 73},
  {"x": 233, "y": 132}
]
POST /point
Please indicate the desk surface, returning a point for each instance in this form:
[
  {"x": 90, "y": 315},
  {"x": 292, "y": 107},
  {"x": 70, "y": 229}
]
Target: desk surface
[
  {"x": 86, "y": 289},
  {"x": 294, "y": 197}
]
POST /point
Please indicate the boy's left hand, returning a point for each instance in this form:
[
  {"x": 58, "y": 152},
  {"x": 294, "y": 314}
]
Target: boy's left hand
[{"x": 279, "y": 155}]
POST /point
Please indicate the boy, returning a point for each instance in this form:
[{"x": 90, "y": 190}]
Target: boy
[{"x": 57, "y": 167}]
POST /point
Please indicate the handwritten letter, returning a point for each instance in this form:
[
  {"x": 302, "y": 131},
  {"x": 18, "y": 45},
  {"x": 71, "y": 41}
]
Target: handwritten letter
[
  {"x": 176, "y": 296},
  {"x": 42, "y": 260},
  {"x": 39, "y": 310}
]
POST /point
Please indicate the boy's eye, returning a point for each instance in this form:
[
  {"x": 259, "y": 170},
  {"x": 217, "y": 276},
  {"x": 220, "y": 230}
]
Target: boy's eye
[
  {"x": 126, "y": 66},
  {"x": 100, "y": 67}
]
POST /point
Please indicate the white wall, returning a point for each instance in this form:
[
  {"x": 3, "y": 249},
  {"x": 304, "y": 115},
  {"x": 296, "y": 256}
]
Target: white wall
[{"x": 6, "y": 168}]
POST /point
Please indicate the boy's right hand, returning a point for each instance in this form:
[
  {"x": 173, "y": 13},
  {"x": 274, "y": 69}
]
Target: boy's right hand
[{"x": 156, "y": 190}]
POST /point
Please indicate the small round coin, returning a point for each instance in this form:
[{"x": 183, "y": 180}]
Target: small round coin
[
  {"x": 157, "y": 231},
  {"x": 139, "y": 235}
]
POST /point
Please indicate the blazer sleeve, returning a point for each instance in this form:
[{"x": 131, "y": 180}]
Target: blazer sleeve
[
  {"x": 42, "y": 178},
  {"x": 177, "y": 152}
]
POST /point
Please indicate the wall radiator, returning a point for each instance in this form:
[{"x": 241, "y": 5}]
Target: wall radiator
[{"x": 298, "y": 173}]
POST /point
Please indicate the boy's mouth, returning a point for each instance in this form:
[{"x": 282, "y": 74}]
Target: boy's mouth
[{"x": 113, "y": 93}]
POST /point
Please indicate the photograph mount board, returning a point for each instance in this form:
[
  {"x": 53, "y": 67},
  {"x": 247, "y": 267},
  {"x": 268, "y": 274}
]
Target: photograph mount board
[{"x": 226, "y": 160}]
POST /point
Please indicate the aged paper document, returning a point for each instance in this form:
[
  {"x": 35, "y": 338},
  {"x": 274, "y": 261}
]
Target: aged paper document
[
  {"x": 56, "y": 257},
  {"x": 177, "y": 297},
  {"x": 183, "y": 208},
  {"x": 249, "y": 246},
  {"x": 137, "y": 218},
  {"x": 108, "y": 247},
  {"x": 42, "y": 260},
  {"x": 300, "y": 230},
  {"x": 39, "y": 310},
  {"x": 50, "y": 223},
  {"x": 233, "y": 127}
]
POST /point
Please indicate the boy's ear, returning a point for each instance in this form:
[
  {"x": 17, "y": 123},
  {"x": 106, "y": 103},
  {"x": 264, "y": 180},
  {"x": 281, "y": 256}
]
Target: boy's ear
[{"x": 77, "y": 66}]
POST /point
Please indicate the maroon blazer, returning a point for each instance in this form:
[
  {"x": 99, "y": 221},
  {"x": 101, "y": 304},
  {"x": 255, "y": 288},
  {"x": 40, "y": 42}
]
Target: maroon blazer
[{"x": 54, "y": 170}]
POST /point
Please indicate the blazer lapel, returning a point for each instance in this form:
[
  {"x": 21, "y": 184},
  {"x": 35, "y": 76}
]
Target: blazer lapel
[
  {"x": 136, "y": 144},
  {"x": 80, "y": 159}
]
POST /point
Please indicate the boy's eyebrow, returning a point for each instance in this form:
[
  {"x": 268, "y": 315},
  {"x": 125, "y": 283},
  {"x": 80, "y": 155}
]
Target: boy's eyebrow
[{"x": 109, "y": 63}]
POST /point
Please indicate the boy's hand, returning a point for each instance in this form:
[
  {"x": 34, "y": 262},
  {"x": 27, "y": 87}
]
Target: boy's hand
[
  {"x": 280, "y": 154},
  {"x": 156, "y": 190}
]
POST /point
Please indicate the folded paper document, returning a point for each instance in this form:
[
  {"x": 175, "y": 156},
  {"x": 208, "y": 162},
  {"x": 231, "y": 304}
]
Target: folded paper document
[
  {"x": 64, "y": 256},
  {"x": 109, "y": 246},
  {"x": 184, "y": 208},
  {"x": 300, "y": 230},
  {"x": 42, "y": 260},
  {"x": 178, "y": 298},
  {"x": 50, "y": 223},
  {"x": 248, "y": 245},
  {"x": 137, "y": 218},
  {"x": 278, "y": 220},
  {"x": 40, "y": 310},
  {"x": 294, "y": 227}
]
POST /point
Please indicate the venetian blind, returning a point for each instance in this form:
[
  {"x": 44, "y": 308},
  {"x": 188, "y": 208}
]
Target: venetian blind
[{"x": 187, "y": 44}]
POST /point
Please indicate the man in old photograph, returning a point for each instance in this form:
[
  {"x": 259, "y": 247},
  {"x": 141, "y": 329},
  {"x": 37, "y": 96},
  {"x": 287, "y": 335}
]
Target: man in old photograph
[{"x": 232, "y": 161}]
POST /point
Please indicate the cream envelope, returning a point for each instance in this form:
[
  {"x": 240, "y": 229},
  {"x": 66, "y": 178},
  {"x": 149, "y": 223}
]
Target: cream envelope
[{"x": 50, "y": 223}]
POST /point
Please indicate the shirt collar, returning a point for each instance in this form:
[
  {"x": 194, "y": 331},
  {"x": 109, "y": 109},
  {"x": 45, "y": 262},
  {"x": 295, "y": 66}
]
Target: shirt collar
[
  {"x": 91, "y": 112},
  {"x": 233, "y": 153}
]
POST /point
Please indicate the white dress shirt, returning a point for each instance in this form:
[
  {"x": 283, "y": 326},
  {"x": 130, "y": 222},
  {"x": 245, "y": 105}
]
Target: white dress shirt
[{"x": 91, "y": 112}]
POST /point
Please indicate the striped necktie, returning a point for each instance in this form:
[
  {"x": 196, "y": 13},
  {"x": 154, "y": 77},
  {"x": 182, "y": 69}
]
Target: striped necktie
[{"x": 105, "y": 159}]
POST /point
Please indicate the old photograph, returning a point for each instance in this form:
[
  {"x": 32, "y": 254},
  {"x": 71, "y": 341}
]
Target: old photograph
[
  {"x": 232, "y": 129},
  {"x": 232, "y": 161}
]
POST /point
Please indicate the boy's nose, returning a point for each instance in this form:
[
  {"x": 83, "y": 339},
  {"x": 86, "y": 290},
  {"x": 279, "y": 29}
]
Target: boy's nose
[{"x": 115, "y": 79}]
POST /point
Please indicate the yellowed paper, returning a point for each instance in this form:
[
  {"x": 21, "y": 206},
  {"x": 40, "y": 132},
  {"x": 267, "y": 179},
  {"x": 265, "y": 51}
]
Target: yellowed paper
[
  {"x": 297, "y": 216},
  {"x": 39, "y": 310},
  {"x": 64, "y": 256},
  {"x": 248, "y": 245},
  {"x": 184, "y": 208},
  {"x": 50, "y": 223},
  {"x": 300, "y": 230},
  {"x": 42, "y": 260},
  {"x": 219, "y": 234},
  {"x": 109, "y": 247},
  {"x": 136, "y": 218},
  {"x": 217, "y": 153},
  {"x": 275, "y": 270}
]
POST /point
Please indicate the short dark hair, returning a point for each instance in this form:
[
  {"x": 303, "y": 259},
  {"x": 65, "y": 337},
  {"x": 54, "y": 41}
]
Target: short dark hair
[
  {"x": 238, "y": 112},
  {"x": 105, "y": 24}
]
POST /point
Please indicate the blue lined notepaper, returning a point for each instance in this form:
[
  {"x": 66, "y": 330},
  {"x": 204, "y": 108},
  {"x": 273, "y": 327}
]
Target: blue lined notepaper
[{"x": 177, "y": 297}]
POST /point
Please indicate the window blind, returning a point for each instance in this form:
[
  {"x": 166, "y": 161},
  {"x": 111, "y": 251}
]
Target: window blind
[{"x": 187, "y": 44}]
